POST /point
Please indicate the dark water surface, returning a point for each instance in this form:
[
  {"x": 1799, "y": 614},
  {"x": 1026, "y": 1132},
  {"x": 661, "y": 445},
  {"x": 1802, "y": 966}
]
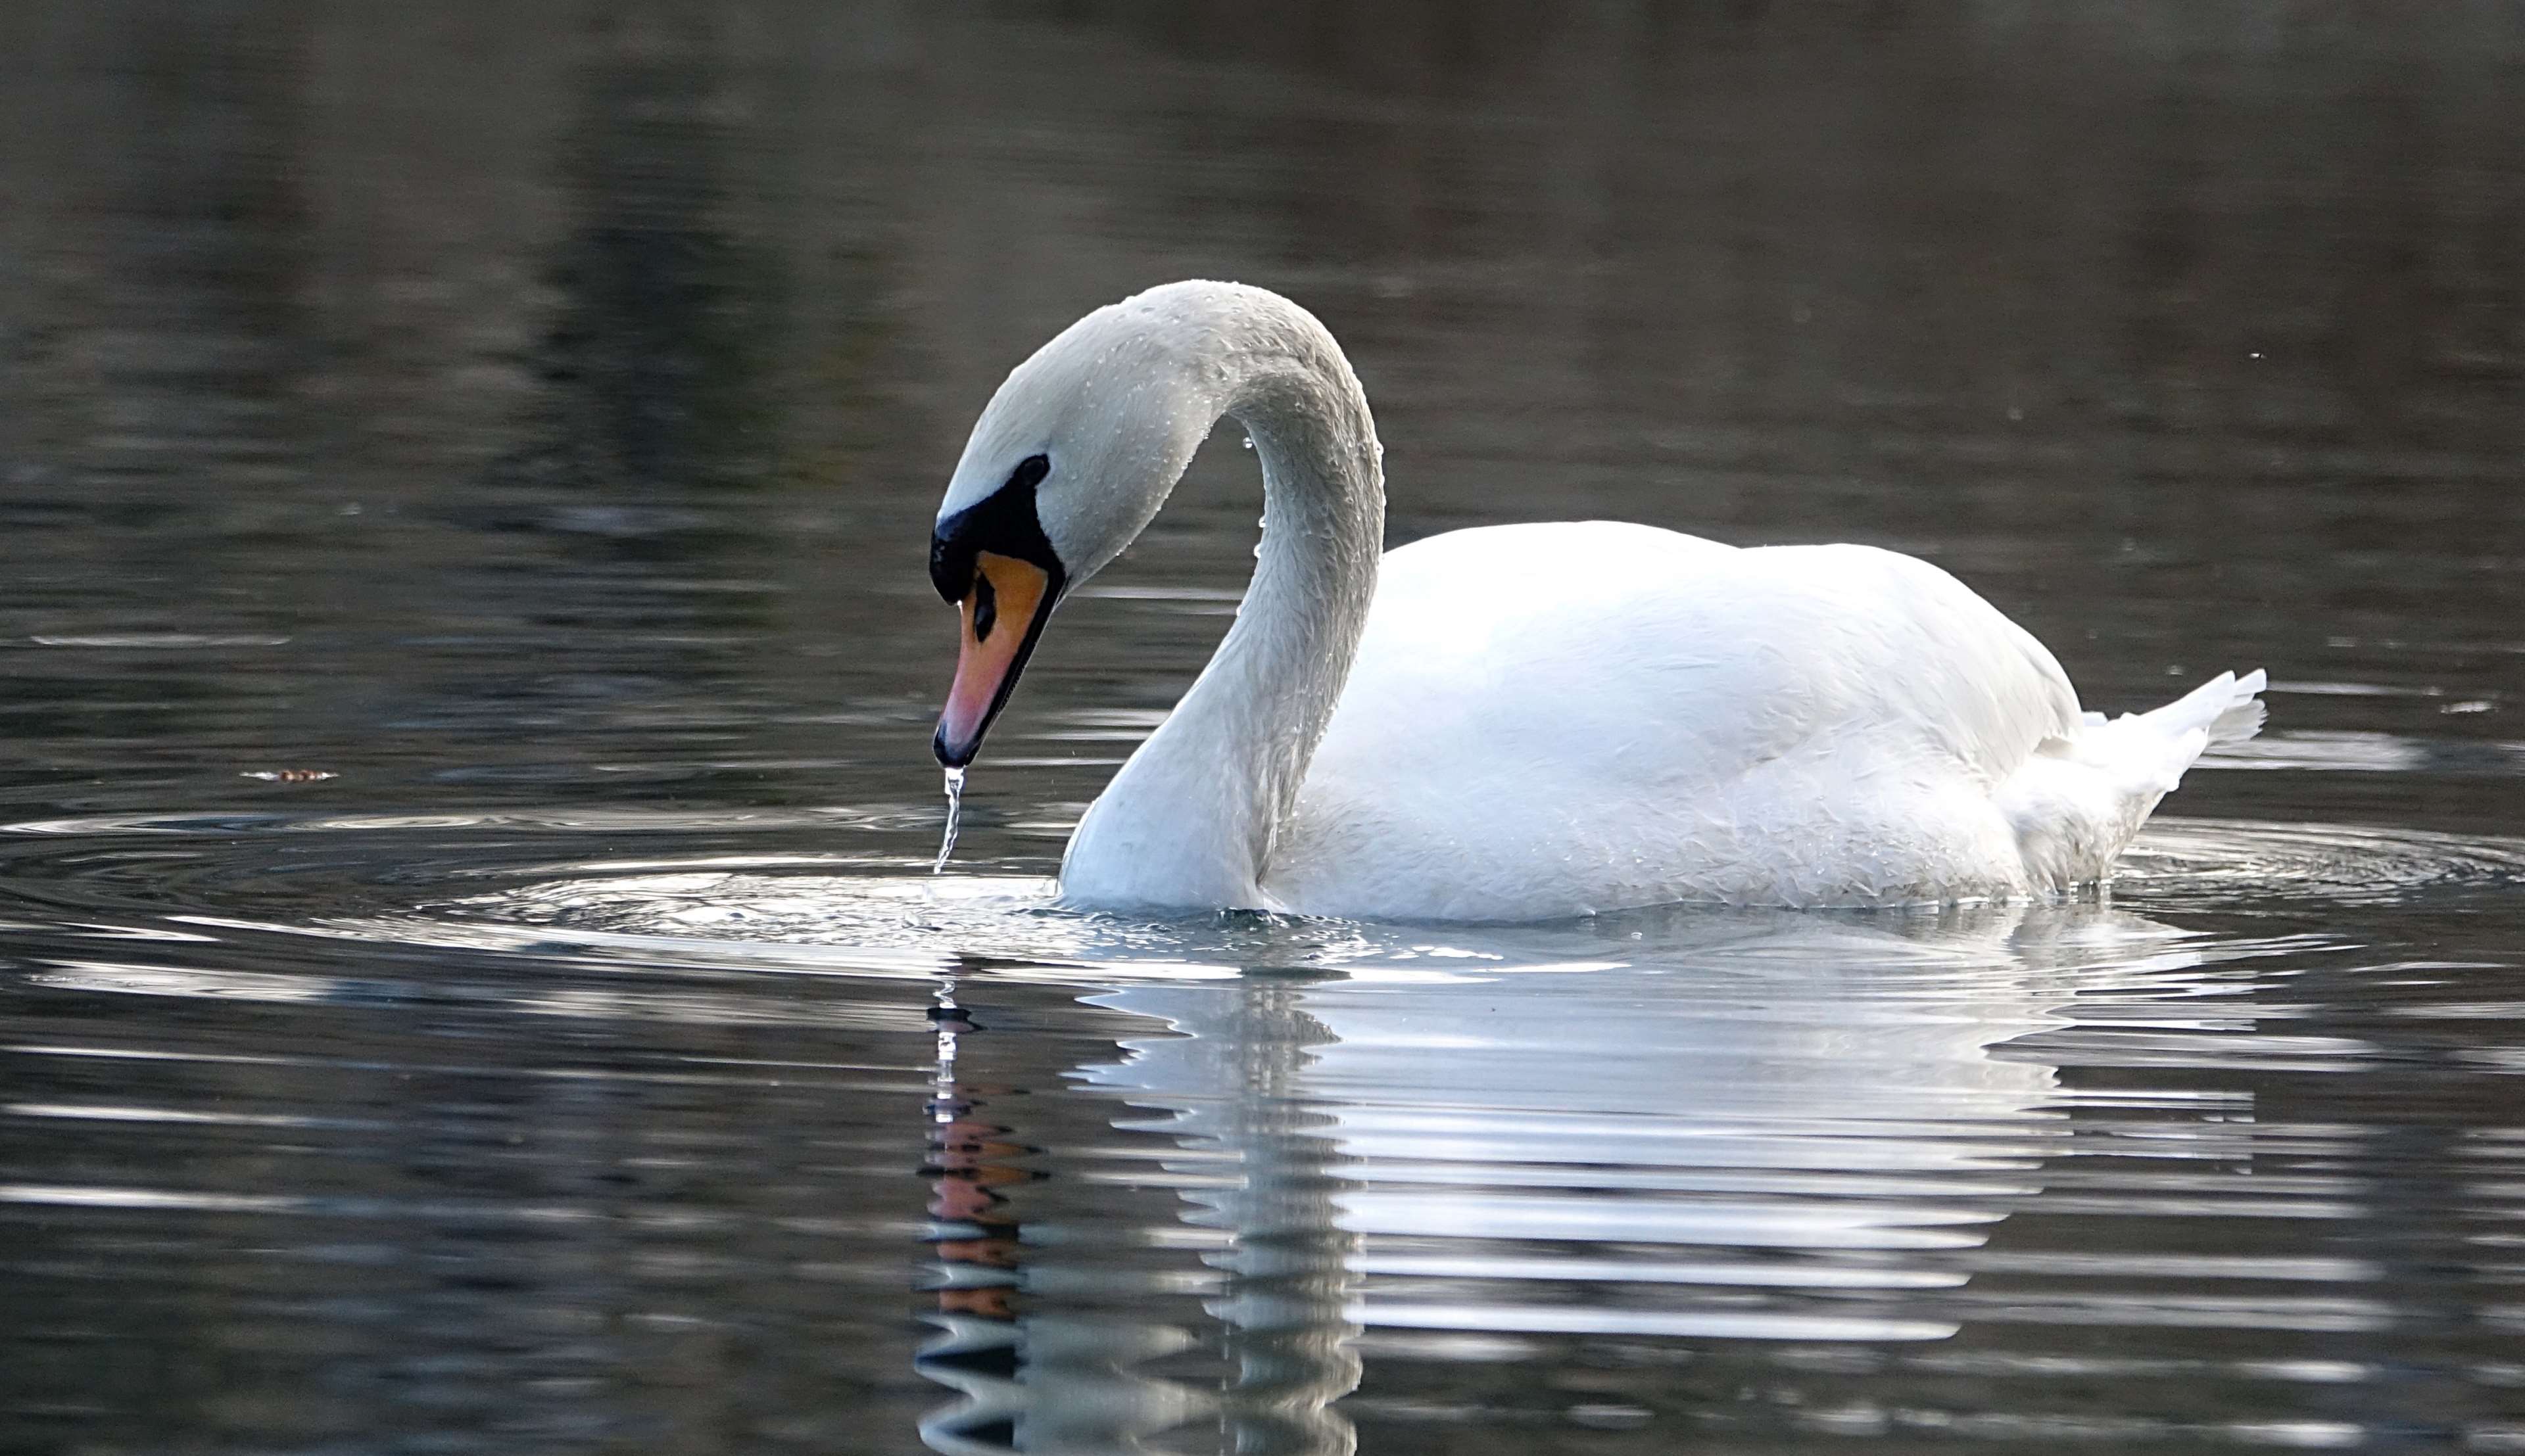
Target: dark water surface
[{"x": 469, "y": 979}]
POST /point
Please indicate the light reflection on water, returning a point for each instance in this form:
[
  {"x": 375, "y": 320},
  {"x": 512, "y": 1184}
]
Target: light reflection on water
[
  {"x": 1197, "y": 1181},
  {"x": 1684, "y": 1143},
  {"x": 1296, "y": 1150}
]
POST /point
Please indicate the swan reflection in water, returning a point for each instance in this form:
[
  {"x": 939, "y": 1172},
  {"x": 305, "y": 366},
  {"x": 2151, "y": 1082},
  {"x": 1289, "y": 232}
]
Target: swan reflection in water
[
  {"x": 1726, "y": 1126},
  {"x": 1039, "y": 1378}
]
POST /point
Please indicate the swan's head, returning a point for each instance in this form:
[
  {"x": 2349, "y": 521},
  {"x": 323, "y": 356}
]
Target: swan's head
[{"x": 1067, "y": 463}]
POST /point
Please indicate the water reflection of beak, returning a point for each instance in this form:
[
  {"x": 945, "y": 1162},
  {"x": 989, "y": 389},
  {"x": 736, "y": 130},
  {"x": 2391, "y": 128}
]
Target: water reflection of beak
[{"x": 1003, "y": 613}]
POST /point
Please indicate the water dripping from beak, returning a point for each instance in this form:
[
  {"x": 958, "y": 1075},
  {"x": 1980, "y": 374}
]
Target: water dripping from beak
[{"x": 955, "y": 816}]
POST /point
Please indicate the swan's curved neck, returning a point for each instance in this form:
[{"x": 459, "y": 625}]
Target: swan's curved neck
[{"x": 1191, "y": 818}]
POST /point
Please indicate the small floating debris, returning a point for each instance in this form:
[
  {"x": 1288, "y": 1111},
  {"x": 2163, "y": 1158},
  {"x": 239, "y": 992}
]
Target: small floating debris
[{"x": 313, "y": 776}]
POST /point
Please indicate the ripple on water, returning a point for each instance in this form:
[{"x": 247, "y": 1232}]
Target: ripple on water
[
  {"x": 2177, "y": 864},
  {"x": 2213, "y": 864},
  {"x": 2174, "y": 858}
]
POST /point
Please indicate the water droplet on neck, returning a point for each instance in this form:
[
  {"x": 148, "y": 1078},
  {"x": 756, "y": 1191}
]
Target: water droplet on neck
[{"x": 955, "y": 816}]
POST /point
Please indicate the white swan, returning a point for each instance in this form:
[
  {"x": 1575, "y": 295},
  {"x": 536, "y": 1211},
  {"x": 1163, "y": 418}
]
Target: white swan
[{"x": 1513, "y": 722}]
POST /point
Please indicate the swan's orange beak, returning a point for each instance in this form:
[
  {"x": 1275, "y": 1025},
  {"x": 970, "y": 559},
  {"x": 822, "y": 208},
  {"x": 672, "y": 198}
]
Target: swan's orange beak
[{"x": 1001, "y": 615}]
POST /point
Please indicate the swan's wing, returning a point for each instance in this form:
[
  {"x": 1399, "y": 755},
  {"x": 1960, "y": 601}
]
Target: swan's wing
[
  {"x": 1553, "y": 718},
  {"x": 1666, "y": 659}
]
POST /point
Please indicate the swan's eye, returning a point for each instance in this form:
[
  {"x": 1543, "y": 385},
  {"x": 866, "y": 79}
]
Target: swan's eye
[
  {"x": 986, "y": 607},
  {"x": 1002, "y": 524}
]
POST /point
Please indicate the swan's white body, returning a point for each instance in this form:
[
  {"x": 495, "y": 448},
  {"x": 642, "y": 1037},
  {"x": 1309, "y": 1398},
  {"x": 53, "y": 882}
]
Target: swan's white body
[
  {"x": 1518, "y": 722},
  {"x": 1629, "y": 716}
]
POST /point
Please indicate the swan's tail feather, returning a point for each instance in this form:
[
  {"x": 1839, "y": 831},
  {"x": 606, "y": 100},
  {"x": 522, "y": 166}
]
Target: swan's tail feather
[
  {"x": 2073, "y": 809},
  {"x": 2243, "y": 713},
  {"x": 2227, "y": 710},
  {"x": 2149, "y": 751}
]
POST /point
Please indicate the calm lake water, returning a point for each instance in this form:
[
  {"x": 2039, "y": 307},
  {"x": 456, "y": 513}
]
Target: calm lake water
[{"x": 468, "y": 975}]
